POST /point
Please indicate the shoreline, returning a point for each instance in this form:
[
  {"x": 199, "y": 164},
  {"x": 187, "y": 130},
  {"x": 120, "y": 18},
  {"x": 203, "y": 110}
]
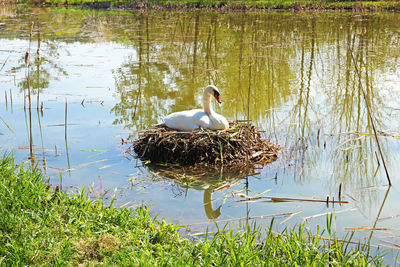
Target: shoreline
[{"x": 43, "y": 225}]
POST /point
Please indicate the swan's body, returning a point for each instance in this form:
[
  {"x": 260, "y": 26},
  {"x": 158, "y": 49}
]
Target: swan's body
[{"x": 205, "y": 118}]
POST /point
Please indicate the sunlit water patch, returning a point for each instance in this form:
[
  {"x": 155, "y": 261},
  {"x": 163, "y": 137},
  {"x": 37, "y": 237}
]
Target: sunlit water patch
[{"x": 292, "y": 75}]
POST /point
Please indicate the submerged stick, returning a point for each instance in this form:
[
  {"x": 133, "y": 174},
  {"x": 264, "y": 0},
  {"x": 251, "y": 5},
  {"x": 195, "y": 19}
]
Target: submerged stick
[
  {"x": 5, "y": 62},
  {"x": 11, "y": 102},
  {"x": 27, "y": 63},
  {"x": 244, "y": 218},
  {"x": 38, "y": 69},
  {"x": 379, "y": 214},
  {"x": 329, "y": 213},
  {"x": 38, "y": 89},
  {"x": 377, "y": 159},
  {"x": 66, "y": 140},
  {"x": 5, "y": 123},
  {"x": 41, "y": 139},
  {"x": 290, "y": 217},
  {"x": 288, "y": 199},
  {"x": 341, "y": 240},
  {"x": 369, "y": 114},
  {"x": 5, "y": 96},
  {"x": 66, "y": 112},
  {"x": 30, "y": 130}
]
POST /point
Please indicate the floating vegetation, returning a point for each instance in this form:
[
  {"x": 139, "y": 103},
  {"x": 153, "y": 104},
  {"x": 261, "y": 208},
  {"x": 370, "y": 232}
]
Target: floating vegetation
[{"x": 240, "y": 146}]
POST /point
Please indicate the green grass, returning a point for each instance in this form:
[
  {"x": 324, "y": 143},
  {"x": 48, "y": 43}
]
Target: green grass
[
  {"x": 240, "y": 4},
  {"x": 41, "y": 225}
]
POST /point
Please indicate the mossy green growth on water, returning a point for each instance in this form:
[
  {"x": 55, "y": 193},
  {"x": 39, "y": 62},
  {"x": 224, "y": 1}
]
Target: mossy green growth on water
[{"x": 41, "y": 225}]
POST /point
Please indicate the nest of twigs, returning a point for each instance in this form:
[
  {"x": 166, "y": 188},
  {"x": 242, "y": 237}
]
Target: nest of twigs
[{"x": 240, "y": 145}]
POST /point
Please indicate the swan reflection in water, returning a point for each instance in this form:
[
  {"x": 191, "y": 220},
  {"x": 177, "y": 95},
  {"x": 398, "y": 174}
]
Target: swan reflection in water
[
  {"x": 208, "y": 207},
  {"x": 198, "y": 179}
]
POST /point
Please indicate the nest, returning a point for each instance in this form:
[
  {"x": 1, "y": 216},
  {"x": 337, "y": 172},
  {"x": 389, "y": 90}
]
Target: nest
[{"x": 240, "y": 145}]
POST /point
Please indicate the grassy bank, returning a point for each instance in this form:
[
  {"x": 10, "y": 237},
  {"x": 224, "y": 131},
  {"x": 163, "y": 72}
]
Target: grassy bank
[
  {"x": 228, "y": 4},
  {"x": 42, "y": 225}
]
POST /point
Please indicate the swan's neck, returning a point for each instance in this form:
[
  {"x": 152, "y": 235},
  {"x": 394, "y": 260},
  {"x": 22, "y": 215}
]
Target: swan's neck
[{"x": 207, "y": 104}]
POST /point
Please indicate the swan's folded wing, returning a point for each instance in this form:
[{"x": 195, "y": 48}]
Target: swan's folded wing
[
  {"x": 188, "y": 120},
  {"x": 219, "y": 122}
]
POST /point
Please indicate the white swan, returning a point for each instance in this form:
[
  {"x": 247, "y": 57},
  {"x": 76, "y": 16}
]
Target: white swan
[{"x": 205, "y": 118}]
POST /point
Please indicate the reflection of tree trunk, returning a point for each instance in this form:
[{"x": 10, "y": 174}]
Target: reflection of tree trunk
[
  {"x": 301, "y": 76},
  {"x": 139, "y": 75},
  {"x": 196, "y": 35},
  {"x": 148, "y": 40},
  {"x": 359, "y": 62},
  {"x": 363, "y": 50},
  {"x": 250, "y": 66},
  {"x": 38, "y": 93},
  {"x": 255, "y": 69},
  {"x": 214, "y": 23},
  {"x": 355, "y": 79},
  {"x": 270, "y": 68},
  {"x": 309, "y": 74},
  {"x": 359, "y": 99},
  {"x": 38, "y": 70},
  {"x": 338, "y": 54},
  {"x": 208, "y": 50},
  {"x": 349, "y": 93},
  {"x": 184, "y": 33},
  {"x": 147, "y": 65},
  {"x": 240, "y": 69},
  {"x": 27, "y": 62}
]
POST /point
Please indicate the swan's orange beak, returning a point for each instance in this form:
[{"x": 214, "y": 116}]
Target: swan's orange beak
[{"x": 217, "y": 97}]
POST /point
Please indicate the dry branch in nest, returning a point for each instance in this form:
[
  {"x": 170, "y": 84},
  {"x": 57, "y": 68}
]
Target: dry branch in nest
[{"x": 239, "y": 146}]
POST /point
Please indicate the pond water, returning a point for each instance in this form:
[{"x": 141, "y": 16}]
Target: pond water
[{"x": 291, "y": 74}]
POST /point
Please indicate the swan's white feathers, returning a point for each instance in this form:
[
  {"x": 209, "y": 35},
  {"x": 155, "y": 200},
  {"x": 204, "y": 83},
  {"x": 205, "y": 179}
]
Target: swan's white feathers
[{"x": 189, "y": 120}]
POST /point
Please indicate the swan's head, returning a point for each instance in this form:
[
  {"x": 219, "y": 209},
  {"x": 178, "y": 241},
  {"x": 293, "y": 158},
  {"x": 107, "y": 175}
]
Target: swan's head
[{"x": 213, "y": 90}]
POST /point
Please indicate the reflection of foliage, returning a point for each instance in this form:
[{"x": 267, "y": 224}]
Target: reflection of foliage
[
  {"x": 290, "y": 73},
  {"x": 260, "y": 61},
  {"x": 40, "y": 75},
  {"x": 43, "y": 66},
  {"x": 134, "y": 96},
  {"x": 199, "y": 52},
  {"x": 239, "y": 53}
]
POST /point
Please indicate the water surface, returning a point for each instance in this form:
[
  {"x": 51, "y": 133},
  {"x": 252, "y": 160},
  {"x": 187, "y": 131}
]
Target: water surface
[{"x": 291, "y": 74}]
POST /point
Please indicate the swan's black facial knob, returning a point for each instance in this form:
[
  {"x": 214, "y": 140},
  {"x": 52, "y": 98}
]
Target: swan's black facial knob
[{"x": 216, "y": 95}]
